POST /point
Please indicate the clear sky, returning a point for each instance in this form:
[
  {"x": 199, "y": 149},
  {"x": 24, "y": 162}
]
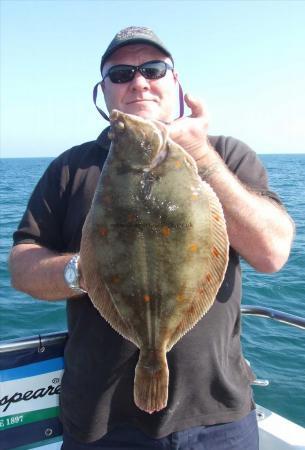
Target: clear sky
[{"x": 245, "y": 59}]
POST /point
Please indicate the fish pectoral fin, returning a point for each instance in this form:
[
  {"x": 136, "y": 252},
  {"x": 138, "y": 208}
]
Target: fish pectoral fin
[{"x": 151, "y": 381}]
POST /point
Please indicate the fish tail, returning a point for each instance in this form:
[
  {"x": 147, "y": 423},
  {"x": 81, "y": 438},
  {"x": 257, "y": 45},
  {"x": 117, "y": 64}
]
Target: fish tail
[{"x": 151, "y": 381}]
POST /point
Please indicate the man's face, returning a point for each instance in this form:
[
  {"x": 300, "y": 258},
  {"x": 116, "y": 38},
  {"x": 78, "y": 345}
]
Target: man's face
[{"x": 151, "y": 99}]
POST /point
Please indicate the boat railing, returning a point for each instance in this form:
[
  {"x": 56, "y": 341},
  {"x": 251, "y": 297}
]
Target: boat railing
[
  {"x": 278, "y": 316},
  {"x": 60, "y": 337},
  {"x": 269, "y": 313},
  {"x": 40, "y": 342}
]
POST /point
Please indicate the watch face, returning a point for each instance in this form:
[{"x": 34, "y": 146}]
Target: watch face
[{"x": 70, "y": 275}]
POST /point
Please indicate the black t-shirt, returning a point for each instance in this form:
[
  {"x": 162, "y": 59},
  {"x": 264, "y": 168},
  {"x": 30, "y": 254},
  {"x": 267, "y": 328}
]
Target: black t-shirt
[{"x": 209, "y": 381}]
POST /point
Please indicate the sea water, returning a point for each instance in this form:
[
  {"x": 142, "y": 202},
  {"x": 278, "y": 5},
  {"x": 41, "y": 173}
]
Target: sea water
[{"x": 276, "y": 351}]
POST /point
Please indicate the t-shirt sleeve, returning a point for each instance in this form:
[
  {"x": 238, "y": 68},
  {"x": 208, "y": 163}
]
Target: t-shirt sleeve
[
  {"x": 42, "y": 221},
  {"x": 245, "y": 164}
]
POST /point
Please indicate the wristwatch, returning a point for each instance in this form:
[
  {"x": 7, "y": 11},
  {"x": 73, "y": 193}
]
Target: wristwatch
[{"x": 72, "y": 275}]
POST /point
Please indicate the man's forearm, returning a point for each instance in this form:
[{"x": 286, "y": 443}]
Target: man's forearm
[
  {"x": 38, "y": 272},
  {"x": 259, "y": 230}
]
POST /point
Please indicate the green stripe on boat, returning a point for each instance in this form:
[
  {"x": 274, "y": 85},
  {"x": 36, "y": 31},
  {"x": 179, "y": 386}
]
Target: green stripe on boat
[{"x": 16, "y": 420}]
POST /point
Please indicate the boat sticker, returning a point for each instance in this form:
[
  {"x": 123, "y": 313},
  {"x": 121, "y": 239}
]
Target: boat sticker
[{"x": 26, "y": 398}]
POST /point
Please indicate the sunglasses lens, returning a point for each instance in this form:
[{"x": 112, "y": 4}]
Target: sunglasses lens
[
  {"x": 121, "y": 74},
  {"x": 153, "y": 70}
]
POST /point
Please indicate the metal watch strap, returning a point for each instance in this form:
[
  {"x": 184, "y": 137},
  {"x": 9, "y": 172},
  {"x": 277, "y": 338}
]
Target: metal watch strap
[{"x": 73, "y": 265}]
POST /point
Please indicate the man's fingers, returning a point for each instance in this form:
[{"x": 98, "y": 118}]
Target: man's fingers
[
  {"x": 186, "y": 128},
  {"x": 195, "y": 105}
]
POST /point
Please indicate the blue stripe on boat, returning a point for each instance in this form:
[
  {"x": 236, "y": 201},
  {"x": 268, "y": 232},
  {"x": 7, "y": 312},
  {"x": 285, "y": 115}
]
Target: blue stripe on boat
[{"x": 30, "y": 370}]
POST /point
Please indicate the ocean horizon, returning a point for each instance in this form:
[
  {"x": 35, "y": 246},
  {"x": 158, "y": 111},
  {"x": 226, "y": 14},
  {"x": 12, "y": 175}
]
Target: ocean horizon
[{"x": 53, "y": 157}]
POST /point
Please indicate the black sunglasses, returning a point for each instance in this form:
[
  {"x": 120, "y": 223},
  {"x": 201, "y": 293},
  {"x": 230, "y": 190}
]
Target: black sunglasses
[{"x": 152, "y": 70}]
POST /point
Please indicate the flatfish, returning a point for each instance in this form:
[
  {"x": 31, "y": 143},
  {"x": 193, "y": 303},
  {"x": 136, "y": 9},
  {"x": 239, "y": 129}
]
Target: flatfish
[{"x": 154, "y": 247}]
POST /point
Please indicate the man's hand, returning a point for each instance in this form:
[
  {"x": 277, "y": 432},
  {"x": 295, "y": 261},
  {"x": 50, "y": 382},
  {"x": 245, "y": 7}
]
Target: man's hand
[{"x": 191, "y": 132}]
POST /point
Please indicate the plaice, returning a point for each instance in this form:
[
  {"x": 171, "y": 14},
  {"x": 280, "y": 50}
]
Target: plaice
[{"x": 154, "y": 247}]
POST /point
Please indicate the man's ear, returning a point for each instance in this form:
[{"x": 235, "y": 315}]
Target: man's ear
[{"x": 102, "y": 84}]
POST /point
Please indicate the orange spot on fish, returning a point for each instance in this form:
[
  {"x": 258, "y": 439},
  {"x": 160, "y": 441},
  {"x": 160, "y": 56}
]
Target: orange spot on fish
[
  {"x": 146, "y": 298},
  {"x": 180, "y": 297},
  {"x": 215, "y": 252},
  {"x": 208, "y": 277},
  {"x": 115, "y": 279},
  {"x": 178, "y": 164},
  {"x": 103, "y": 231},
  {"x": 166, "y": 231},
  {"x": 193, "y": 248},
  {"x": 191, "y": 310}
]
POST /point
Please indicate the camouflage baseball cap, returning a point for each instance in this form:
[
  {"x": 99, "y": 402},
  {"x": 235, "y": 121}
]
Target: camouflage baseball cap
[{"x": 134, "y": 35}]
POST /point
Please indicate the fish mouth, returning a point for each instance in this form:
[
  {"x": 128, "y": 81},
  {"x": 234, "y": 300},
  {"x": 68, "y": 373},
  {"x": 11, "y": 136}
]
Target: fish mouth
[
  {"x": 119, "y": 122},
  {"x": 117, "y": 119},
  {"x": 115, "y": 114}
]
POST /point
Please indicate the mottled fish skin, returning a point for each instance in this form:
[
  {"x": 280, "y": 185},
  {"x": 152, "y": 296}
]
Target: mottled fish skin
[{"x": 154, "y": 248}]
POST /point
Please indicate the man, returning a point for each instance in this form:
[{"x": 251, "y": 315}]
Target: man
[{"x": 210, "y": 402}]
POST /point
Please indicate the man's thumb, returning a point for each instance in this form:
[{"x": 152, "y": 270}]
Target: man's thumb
[{"x": 195, "y": 105}]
